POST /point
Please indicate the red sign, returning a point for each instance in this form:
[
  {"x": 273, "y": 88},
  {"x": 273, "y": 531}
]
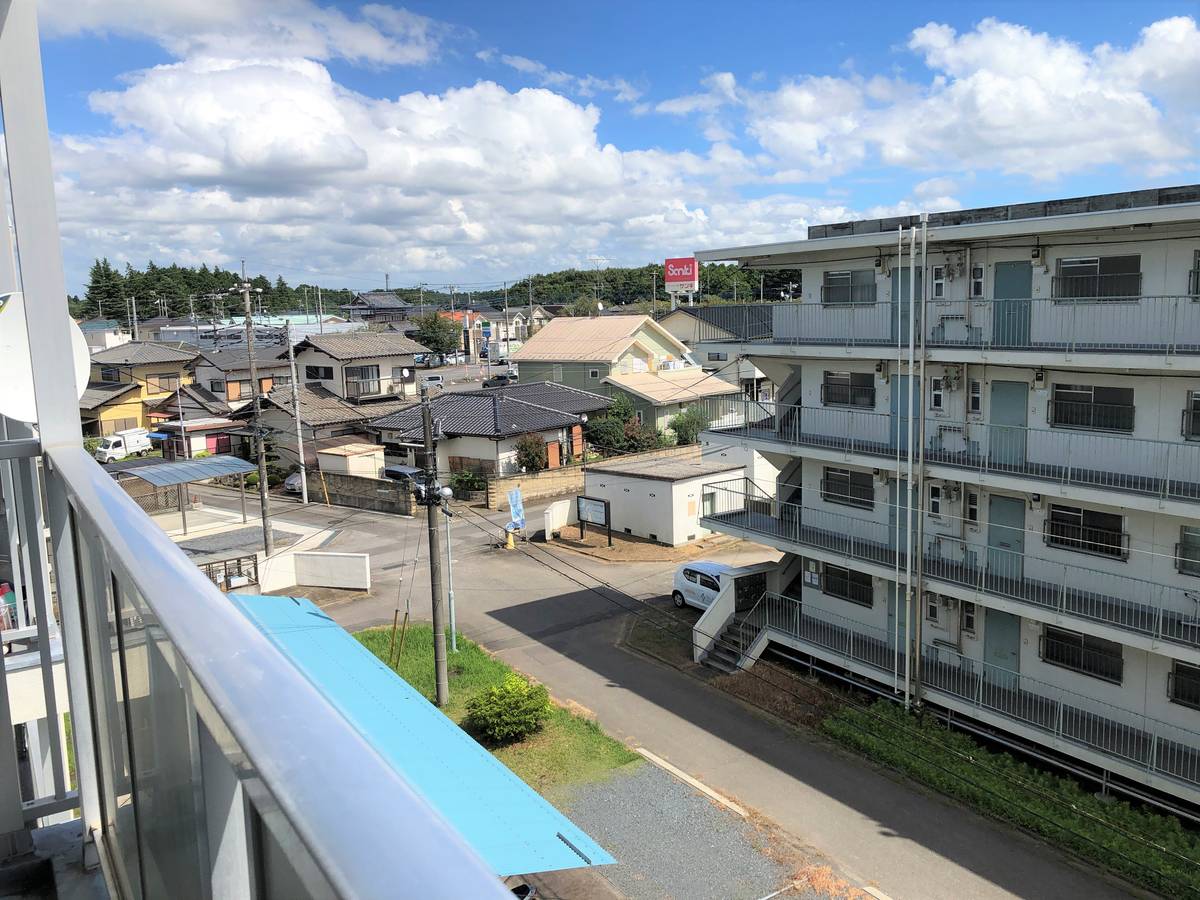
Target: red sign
[{"x": 682, "y": 274}]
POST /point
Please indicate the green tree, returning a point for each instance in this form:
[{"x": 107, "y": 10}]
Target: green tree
[
  {"x": 531, "y": 452},
  {"x": 583, "y": 306},
  {"x": 103, "y": 294},
  {"x": 688, "y": 424},
  {"x": 438, "y": 333},
  {"x": 642, "y": 437}
]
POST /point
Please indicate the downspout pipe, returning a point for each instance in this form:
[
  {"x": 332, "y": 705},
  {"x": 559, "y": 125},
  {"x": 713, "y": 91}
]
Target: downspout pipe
[
  {"x": 895, "y": 599},
  {"x": 922, "y": 510},
  {"x": 908, "y": 485}
]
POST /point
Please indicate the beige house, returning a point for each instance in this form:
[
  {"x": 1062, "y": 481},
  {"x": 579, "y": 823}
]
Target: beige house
[{"x": 633, "y": 355}]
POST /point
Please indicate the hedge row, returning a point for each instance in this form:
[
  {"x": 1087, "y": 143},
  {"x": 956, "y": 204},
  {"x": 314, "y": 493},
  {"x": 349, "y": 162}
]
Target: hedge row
[{"x": 1056, "y": 807}]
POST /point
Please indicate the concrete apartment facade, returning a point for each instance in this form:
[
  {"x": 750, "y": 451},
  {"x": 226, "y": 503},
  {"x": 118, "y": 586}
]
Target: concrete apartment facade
[{"x": 1052, "y": 540}]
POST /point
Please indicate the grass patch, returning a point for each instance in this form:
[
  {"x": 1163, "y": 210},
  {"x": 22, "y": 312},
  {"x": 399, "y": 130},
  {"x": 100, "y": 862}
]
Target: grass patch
[
  {"x": 666, "y": 638},
  {"x": 569, "y": 749},
  {"x": 1056, "y": 807}
]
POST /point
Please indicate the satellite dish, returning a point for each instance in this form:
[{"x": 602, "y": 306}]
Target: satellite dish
[{"x": 16, "y": 377}]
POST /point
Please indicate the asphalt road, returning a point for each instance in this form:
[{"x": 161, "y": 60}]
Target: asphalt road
[{"x": 542, "y": 612}]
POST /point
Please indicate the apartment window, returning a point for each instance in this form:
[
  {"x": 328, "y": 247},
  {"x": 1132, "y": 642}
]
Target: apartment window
[
  {"x": 976, "y": 281},
  {"x": 848, "y": 488},
  {"x": 968, "y": 617},
  {"x": 110, "y": 373},
  {"x": 216, "y": 386},
  {"x": 972, "y": 507},
  {"x": 1187, "y": 551},
  {"x": 1083, "y": 653},
  {"x": 1086, "y": 531},
  {"x": 848, "y": 389},
  {"x": 162, "y": 382},
  {"x": 935, "y": 499},
  {"x": 932, "y": 608},
  {"x": 362, "y": 381},
  {"x": 939, "y": 282},
  {"x": 1183, "y": 685},
  {"x": 857, "y": 286},
  {"x": 846, "y": 584},
  {"x": 318, "y": 373},
  {"x": 717, "y": 356},
  {"x": 975, "y": 396},
  {"x": 1092, "y": 407},
  {"x": 936, "y": 395},
  {"x": 1191, "y": 417},
  {"x": 593, "y": 373},
  {"x": 1098, "y": 278}
]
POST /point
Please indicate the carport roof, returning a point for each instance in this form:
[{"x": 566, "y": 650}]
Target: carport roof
[{"x": 187, "y": 471}]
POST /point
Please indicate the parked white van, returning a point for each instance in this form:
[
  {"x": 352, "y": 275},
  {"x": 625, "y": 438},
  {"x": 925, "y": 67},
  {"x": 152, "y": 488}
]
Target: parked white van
[
  {"x": 131, "y": 442},
  {"x": 698, "y": 583}
]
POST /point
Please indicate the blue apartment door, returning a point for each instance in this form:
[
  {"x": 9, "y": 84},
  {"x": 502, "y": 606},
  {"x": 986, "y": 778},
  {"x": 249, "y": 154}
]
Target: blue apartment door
[
  {"x": 1002, "y": 646},
  {"x": 1012, "y": 303},
  {"x": 902, "y": 305},
  {"x": 903, "y": 403},
  {"x": 1006, "y": 544},
  {"x": 1009, "y": 418}
]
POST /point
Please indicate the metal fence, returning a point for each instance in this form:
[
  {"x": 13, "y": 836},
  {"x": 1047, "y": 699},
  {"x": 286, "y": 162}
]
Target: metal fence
[{"x": 1167, "y": 324}]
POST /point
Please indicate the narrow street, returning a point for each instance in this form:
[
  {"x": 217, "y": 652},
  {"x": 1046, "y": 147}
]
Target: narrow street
[{"x": 540, "y": 611}]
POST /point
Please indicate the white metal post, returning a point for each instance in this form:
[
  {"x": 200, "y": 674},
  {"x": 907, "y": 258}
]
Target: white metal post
[
  {"x": 450, "y": 587},
  {"x": 908, "y": 487},
  {"x": 296, "y": 415}
]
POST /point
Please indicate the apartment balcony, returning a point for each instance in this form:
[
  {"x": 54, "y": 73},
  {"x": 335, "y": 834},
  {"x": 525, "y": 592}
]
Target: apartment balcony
[
  {"x": 1135, "y": 611},
  {"x": 1155, "y": 471},
  {"x": 1109, "y": 330},
  {"x": 1122, "y": 740}
]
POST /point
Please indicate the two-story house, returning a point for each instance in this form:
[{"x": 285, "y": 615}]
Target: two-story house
[
  {"x": 988, "y": 448},
  {"x": 378, "y": 306},
  {"x": 359, "y": 366},
  {"x": 155, "y": 370},
  {"x": 226, "y": 373},
  {"x": 629, "y": 354}
]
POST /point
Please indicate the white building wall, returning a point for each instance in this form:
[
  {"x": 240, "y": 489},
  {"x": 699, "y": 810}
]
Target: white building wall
[{"x": 660, "y": 510}]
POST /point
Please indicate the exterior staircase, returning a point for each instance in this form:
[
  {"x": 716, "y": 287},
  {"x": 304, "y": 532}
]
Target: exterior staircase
[{"x": 731, "y": 645}]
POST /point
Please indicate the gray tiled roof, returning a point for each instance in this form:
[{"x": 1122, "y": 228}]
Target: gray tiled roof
[
  {"x": 319, "y": 406},
  {"x": 236, "y": 359},
  {"x": 380, "y": 300},
  {"x": 97, "y": 393},
  {"x": 140, "y": 353},
  {"x": 202, "y": 395},
  {"x": 487, "y": 413},
  {"x": 557, "y": 396},
  {"x": 361, "y": 344}
]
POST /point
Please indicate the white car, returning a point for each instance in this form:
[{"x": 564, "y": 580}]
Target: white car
[
  {"x": 434, "y": 381},
  {"x": 698, "y": 583}
]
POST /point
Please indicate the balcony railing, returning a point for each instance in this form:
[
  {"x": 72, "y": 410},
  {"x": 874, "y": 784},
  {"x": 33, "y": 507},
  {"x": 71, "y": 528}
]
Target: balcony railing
[
  {"x": 1159, "y": 612},
  {"x": 1062, "y": 716},
  {"x": 1112, "y": 286},
  {"x": 203, "y": 727},
  {"x": 1160, "y": 325},
  {"x": 848, "y": 493},
  {"x": 369, "y": 387},
  {"x": 1168, "y": 470},
  {"x": 1074, "y": 654}
]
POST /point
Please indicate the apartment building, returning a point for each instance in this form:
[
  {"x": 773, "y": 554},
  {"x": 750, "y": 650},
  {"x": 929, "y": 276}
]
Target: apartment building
[{"x": 988, "y": 448}]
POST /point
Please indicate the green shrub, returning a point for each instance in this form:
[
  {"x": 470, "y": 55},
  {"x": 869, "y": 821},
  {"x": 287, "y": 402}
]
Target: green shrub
[
  {"x": 688, "y": 424},
  {"x": 252, "y": 480},
  {"x": 462, "y": 482},
  {"x": 509, "y": 711},
  {"x": 200, "y": 454},
  {"x": 531, "y": 453},
  {"x": 90, "y": 444},
  {"x": 998, "y": 784}
]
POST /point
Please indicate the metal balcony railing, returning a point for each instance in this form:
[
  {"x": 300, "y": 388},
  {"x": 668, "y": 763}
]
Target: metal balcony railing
[
  {"x": 1113, "y": 286},
  {"x": 1086, "y": 539},
  {"x": 847, "y": 395},
  {"x": 1168, "y": 470},
  {"x": 848, "y": 493},
  {"x": 1050, "y": 712},
  {"x": 1136, "y": 606},
  {"x": 1164, "y": 325},
  {"x": 365, "y": 388},
  {"x": 192, "y": 705},
  {"x": 1090, "y": 416}
]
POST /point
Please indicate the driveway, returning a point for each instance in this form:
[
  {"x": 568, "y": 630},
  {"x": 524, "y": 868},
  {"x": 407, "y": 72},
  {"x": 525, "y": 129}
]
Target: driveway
[{"x": 542, "y": 612}]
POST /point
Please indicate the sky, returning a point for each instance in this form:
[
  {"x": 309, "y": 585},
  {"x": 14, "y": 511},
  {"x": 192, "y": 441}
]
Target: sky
[{"x": 469, "y": 143}]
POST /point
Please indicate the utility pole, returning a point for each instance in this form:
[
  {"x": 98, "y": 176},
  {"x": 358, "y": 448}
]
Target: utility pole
[
  {"x": 761, "y": 282},
  {"x": 387, "y": 281},
  {"x": 507, "y": 347},
  {"x": 421, "y": 299},
  {"x": 654, "y": 293},
  {"x": 260, "y": 450},
  {"x": 296, "y": 414},
  {"x": 431, "y": 497},
  {"x": 133, "y": 298},
  {"x": 320, "y": 310},
  {"x": 529, "y": 330}
]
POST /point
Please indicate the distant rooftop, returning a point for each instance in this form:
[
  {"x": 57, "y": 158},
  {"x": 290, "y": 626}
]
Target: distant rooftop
[
  {"x": 1169, "y": 196},
  {"x": 663, "y": 468},
  {"x": 140, "y": 353}
]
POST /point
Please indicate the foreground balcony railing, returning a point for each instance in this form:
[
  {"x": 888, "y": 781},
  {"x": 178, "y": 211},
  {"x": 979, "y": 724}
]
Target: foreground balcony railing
[
  {"x": 1063, "y": 716},
  {"x": 1156, "y": 611},
  {"x": 1159, "y": 325},
  {"x": 219, "y": 768},
  {"x": 1168, "y": 470}
]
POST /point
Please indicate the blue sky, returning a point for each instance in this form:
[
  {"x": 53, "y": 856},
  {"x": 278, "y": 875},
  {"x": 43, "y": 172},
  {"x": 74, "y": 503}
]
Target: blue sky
[{"x": 471, "y": 142}]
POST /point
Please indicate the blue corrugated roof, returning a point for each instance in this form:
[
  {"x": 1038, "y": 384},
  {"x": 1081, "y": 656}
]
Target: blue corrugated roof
[
  {"x": 189, "y": 470},
  {"x": 510, "y": 825}
]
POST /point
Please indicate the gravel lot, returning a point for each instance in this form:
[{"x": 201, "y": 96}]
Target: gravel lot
[{"x": 671, "y": 842}]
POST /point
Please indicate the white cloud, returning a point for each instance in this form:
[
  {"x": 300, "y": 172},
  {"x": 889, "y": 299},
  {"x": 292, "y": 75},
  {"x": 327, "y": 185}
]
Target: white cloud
[
  {"x": 582, "y": 85},
  {"x": 377, "y": 35}
]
